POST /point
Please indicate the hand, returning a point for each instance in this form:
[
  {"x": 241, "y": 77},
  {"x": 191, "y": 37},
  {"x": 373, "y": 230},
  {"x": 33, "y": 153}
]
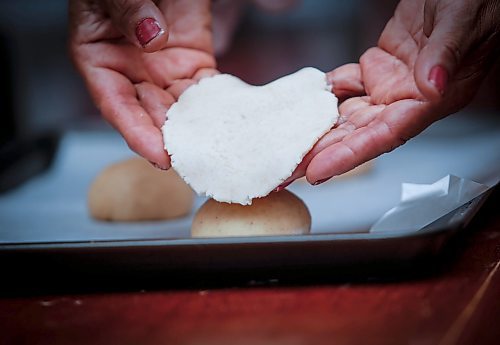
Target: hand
[
  {"x": 137, "y": 56},
  {"x": 429, "y": 62}
]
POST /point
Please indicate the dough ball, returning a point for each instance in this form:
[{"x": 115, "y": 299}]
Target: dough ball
[
  {"x": 280, "y": 213},
  {"x": 133, "y": 190}
]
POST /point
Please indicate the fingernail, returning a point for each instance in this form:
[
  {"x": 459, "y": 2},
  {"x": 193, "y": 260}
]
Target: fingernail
[
  {"x": 282, "y": 186},
  {"x": 321, "y": 181},
  {"x": 439, "y": 78},
  {"x": 146, "y": 30},
  {"x": 157, "y": 166}
]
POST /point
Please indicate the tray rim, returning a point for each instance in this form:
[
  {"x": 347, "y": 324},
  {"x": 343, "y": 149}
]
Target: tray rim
[{"x": 467, "y": 213}]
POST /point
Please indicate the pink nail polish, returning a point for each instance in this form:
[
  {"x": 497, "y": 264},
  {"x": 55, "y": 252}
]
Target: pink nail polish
[
  {"x": 146, "y": 30},
  {"x": 439, "y": 78}
]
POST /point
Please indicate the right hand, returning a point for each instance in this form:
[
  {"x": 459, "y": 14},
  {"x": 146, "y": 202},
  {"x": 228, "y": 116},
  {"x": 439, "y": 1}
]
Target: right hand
[
  {"x": 430, "y": 60},
  {"x": 137, "y": 57}
]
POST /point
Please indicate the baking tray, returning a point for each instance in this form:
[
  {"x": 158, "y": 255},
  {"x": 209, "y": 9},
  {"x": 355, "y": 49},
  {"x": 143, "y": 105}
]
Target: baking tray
[
  {"x": 47, "y": 236},
  {"x": 196, "y": 257}
]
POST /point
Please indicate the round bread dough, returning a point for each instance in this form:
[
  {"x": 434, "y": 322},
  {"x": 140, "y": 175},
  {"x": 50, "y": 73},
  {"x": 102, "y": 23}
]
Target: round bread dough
[
  {"x": 133, "y": 190},
  {"x": 281, "y": 213}
]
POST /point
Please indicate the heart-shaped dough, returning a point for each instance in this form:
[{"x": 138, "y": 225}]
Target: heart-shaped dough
[{"x": 234, "y": 142}]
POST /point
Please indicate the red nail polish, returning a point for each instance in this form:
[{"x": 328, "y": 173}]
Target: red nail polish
[
  {"x": 439, "y": 78},
  {"x": 146, "y": 30}
]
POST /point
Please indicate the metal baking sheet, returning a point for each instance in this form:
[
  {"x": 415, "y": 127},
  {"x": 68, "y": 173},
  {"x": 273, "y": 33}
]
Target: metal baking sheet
[
  {"x": 45, "y": 222},
  {"x": 61, "y": 262}
]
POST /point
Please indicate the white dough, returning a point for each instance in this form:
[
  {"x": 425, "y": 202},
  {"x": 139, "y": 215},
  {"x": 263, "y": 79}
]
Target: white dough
[{"x": 234, "y": 142}]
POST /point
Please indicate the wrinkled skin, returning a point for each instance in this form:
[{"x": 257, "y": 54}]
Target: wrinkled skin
[
  {"x": 388, "y": 95},
  {"x": 133, "y": 86}
]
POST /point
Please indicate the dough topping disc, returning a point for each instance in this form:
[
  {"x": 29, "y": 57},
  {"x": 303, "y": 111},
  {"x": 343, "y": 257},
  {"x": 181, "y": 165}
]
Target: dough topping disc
[{"x": 234, "y": 142}]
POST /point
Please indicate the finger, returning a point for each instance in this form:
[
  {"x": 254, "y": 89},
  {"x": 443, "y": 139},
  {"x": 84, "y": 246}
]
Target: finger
[
  {"x": 116, "y": 98},
  {"x": 360, "y": 113},
  {"x": 180, "y": 64},
  {"x": 147, "y": 141},
  {"x": 346, "y": 81},
  {"x": 396, "y": 124},
  {"x": 155, "y": 101},
  {"x": 179, "y": 86},
  {"x": 360, "y": 118},
  {"x": 126, "y": 60},
  {"x": 352, "y": 105},
  {"x": 429, "y": 17},
  {"x": 448, "y": 40},
  {"x": 190, "y": 23},
  {"x": 205, "y": 73},
  {"x": 299, "y": 171},
  {"x": 140, "y": 21}
]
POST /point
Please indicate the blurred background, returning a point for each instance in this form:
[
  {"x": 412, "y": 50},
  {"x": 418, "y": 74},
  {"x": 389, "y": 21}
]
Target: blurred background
[{"x": 42, "y": 91}]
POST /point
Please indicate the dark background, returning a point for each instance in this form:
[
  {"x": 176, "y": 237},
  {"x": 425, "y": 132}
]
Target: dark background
[{"x": 41, "y": 90}]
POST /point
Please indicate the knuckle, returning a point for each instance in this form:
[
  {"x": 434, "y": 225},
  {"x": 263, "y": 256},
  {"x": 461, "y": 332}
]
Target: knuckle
[
  {"x": 126, "y": 11},
  {"x": 452, "y": 49}
]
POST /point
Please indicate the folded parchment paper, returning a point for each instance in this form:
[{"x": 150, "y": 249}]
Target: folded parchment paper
[{"x": 422, "y": 204}]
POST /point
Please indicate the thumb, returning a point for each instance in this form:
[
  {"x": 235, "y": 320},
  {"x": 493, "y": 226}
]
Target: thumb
[
  {"x": 441, "y": 55},
  {"x": 140, "y": 21}
]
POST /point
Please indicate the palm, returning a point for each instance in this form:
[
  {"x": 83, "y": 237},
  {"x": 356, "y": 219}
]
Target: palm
[
  {"x": 383, "y": 106},
  {"x": 390, "y": 94},
  {"x": 133, "y": 89}
]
